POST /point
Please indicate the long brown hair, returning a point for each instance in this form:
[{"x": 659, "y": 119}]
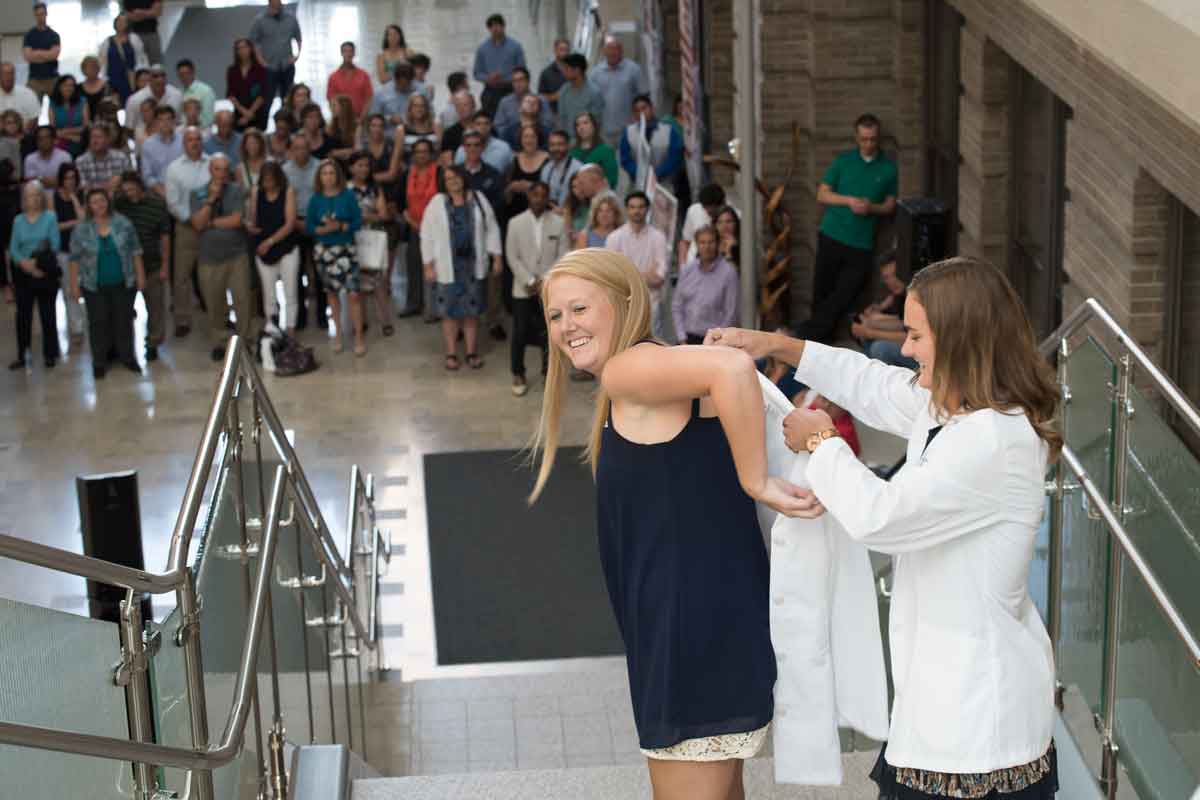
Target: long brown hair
[
  {"x": 626, "y": 291},
  {"x": 987, "y": 354}
]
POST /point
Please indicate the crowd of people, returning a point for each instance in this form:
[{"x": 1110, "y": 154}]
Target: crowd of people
[{"x": 242, "y": 197}]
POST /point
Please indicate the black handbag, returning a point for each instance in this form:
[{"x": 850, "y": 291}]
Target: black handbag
[{"x": 47, "y": 262}]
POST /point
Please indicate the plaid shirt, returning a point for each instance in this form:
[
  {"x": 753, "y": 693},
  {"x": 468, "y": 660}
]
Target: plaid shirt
[{"x": 98, "y": 171}]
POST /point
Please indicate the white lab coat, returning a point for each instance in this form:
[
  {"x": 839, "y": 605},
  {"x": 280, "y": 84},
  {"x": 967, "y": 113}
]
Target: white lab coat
[
  {"x": 824, "y": 628},
  {"x": 972, "y": 665}
]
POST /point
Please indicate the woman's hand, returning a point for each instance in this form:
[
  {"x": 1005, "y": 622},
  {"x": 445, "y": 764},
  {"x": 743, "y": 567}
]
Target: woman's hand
[
  {"x": 789, "y": 499},
  {"x": 75, "y": 293},
  {"x": 430, "y": 275},
  {"x": 802, "y": 423},
  {"x": 757, "y": 344},
  {"x": 263, "y": 247}
]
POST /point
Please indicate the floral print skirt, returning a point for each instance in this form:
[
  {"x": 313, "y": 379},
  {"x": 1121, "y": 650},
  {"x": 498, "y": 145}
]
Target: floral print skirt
[
  {"x": 1037, "y": 780},
  {"x": 713, "y": 748},
  {"x": 338, "y": 266}
]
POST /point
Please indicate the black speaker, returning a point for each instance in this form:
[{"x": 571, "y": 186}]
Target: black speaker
[
  {"x": 922, "y": 232},
  {"x": 111, "y": 523}
]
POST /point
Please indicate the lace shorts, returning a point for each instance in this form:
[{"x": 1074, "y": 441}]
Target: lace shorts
[{"x": 713, "y": 748}]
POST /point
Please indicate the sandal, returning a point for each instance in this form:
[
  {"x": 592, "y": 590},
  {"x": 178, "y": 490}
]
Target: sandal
[
  {"x": 337, "y": 345},
  {"x": 360, "y": 350},
  {"x": 474, "y": 361},
  {"x": 452, "y": 363},
  {"x": 388, "y": 330}
]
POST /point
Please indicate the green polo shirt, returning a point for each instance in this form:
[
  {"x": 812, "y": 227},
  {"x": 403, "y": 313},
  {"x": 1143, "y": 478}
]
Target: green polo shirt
[{"x": 850, "y": 175}]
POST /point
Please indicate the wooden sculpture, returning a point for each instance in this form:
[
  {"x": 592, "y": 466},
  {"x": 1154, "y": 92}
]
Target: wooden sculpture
[{"x": 774, "y": 275}]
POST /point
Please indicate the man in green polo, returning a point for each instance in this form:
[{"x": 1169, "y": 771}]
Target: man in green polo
[{"x": 858, "y": 188}]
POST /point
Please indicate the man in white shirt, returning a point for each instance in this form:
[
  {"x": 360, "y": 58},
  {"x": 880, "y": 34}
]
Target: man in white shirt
[
  {"x": 158, "y": 89},
  {"x": 701, "y": 214},
  {"x": 21, "y": 99},
  {"x": 186, "y": 173},
  {"x": 536, "y": 240},
  {"x": 646, "y": 247}
]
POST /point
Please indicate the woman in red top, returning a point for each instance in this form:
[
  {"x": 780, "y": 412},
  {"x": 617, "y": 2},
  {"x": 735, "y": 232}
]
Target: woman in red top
[
  {"x": 246, "y": 86},
  {"x": 415, "y": 188}
]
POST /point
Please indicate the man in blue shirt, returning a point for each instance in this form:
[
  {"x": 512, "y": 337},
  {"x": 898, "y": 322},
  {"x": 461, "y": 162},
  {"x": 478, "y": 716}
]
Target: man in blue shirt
[
  {"x": 619, "y": 81},
  {"x": 662, "y": 149},
  {"x": 224, "y": 140},
  {"x": 496, "y": 152},
  {"x": 508, "y": 113},
  {"x": 41, "y": 47},
  {"x": 495, "y": 60},
  {"x": 391, "y": 100}
]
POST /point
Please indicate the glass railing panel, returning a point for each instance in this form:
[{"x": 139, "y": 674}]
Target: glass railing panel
[
  {"x": 169, "y": 699},
  {"x": 57, "y": 672},
  {"x": 1085, "y": 545}
]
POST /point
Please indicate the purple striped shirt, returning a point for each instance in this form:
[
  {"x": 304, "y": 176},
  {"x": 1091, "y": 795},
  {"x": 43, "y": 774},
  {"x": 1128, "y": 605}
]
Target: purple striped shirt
[{"x": 704, "y": 298}]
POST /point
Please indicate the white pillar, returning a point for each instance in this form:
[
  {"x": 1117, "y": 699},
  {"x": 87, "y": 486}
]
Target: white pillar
[{"x": 746, "y": 127}]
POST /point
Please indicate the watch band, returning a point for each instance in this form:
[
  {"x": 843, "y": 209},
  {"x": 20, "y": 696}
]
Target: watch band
[{"x": 814, "y": 439}]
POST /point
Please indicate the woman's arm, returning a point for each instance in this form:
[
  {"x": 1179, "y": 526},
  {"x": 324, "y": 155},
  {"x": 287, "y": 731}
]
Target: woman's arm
[
  {"x": 380, "y": 70},
  {"x": 382, "y": 211},
  {"x": 656, "y": 376}
]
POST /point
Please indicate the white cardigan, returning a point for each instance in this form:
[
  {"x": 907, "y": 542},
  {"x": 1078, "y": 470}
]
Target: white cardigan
[
  {"x": 971, "y": 662},
  {"x": 824, "y": 627},
  {"x": 435, "y": 237},
  {"x": 139, "y": 53}
]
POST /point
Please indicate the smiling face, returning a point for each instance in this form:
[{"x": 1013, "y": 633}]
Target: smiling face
[
  {"x": 919, "y": 344},
  {"x": 581, "y": 321},
  {"x": 328, "y": 177}
]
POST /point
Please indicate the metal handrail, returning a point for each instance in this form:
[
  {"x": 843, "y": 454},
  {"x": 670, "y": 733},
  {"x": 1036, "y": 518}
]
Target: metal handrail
[{"x": 1093, "y": 310}]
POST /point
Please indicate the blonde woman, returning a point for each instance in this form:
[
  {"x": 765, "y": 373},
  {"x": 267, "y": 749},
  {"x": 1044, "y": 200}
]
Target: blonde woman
[
  {"x": 678, "y": 449},
  {"x": 605, "y": 217}
]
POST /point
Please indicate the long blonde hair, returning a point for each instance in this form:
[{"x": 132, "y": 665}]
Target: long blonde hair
[
  {"x": 626, "y": 291},
  {"x": 987, "y": 354}
]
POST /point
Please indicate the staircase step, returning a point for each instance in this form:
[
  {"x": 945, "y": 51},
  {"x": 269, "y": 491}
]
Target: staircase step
[{"x": 603, "y": 783}]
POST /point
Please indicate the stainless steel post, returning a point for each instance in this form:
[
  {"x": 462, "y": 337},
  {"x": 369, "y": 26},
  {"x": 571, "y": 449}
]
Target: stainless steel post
[
  {"x": 345, "y": 613},
  {"x": 308, "y": 695},
  {"x": 746, "y": 127},
  {"x": 1116, "y": 565},
  {"x": 137, "y": 692},
  {"x": 329, "y": 661},
  {"x": 188, "y": 637},
  {"x": 1057, "y": 512}
]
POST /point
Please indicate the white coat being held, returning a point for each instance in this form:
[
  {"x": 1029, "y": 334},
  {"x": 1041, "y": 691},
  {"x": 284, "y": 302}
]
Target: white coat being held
[{"x": 972, "y": 663}]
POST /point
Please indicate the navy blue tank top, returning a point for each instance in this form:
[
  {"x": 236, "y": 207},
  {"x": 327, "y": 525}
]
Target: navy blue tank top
[{"x": 687, "y": 574}]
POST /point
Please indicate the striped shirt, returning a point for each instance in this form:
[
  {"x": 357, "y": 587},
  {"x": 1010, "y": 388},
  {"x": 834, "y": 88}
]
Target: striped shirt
[{"x": 151, "y": 221}]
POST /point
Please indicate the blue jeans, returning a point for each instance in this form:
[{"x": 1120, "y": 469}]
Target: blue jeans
[{"x": 889, "y": 353}]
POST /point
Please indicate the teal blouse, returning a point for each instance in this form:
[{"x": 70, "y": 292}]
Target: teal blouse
[{"x": 86, "y": 251}]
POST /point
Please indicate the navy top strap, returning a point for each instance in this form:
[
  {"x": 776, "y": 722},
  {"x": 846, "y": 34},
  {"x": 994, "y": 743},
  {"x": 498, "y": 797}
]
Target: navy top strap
[{"x": 695, "y": 408}]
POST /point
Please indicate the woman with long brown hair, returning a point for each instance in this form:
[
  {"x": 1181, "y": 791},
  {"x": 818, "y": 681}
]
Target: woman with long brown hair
[
  {"x": 678, "y": 450},
  {"x": 973, "y": 666},
  {"x": 247, "y": 85}
]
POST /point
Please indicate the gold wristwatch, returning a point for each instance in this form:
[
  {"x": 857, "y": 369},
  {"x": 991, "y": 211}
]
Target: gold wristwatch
[{"x": 814, "y": 439}]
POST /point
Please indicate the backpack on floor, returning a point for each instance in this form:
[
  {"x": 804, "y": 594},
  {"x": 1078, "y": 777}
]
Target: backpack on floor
[{"x": 285, "y": 356}]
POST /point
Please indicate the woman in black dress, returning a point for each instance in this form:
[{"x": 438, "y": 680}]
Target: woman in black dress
[
  {"x": 526, "y": 170},
  {"x": 678, "y": 449}
]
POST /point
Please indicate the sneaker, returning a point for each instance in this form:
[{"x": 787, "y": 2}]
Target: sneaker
[
  {"x": 181, "y": 331},
  {"x": 519, "y": 387},
  {"x": 218, "y": 353},
  {"x": 151, "y": 353}
]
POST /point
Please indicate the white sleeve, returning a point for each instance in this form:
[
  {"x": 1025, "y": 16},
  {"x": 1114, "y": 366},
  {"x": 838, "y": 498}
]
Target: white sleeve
[
  {"x": 956, "y": 491},
  {"x": 491, "y": 231},
  {"x": 881, "y": 396}
]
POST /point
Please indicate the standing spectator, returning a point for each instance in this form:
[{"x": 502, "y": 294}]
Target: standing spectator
[
  {"x": 456, "y": 82},
  {"x": 857, "y": 189},
  {"x": 603, "y": 218},
  {"x": 301, "y": 172},
  {"x": 419, "y": 124},
  {"x": 101, "y": 166},
  {"x": 384, "y": 153},
  {"x": 496, "y": 152},
  {"x": 661, "y": 142},
  {"x": 495, "y": 60},
  {"x": 143, "y": 20},
  {"x": 122, "y": 54},
  {"x": 68, "y": 209},
  {"x": 152, "y": 222},
  {"x": 186, "y": 71},
  {"x": 699, "y": 215},
  {"x": 184, "y": 175},
  {"x": 10, "y": 202},
  {"x": 481, "y": 176},
  {"x": 554, "y": 75},
  {"x": 21, "y": 99},
  {"x": 559, "y": 169},
  {"x": 296, "y": 101},
  {"x": 13, "y": 137},
  {"x": 351, "y": 81},
  {"x": 577, "y": 97},
  {"x": 224, "y": 138},
  {"x": 40, "y": 48},
  {"x": 593, "y": 187},
  {"x": 729, "y": 235},
  {"x": 44, "y": 163},
  {"x": 146, "y": 125},
  {"x": 159, "y": 151},
  {"x": 392, "y": 98},
  {"x": 332, "y": 220},
  {"x": 459, "y": 237},
  {"x": 646, "y": 247},
  {"x": 216, "y": 215},
  {"x": 69, "y": 114},
  {"x": 509, "y": 110},
  {"x": 392, "y": 53},
  {"x": 528, "y": 115},
  {"x": 252, "y": 155},
  {"x": 373, "y": 205},
  {"x": 880, "y": 327},
  {"x": 34, "y": 229},
  {"x": 272, "y": 34},
  {"x": 271, "y": 220},
  {"x": 312, "y": 128},
  {"x": 619, "y": 80},
  {"x": 94, "y": 88},
  {"x": 537, "y": 238},
  {"x": 463, "y": 103},
  {"x": 526, "y": 170},
  {"x": 707, "y": 293},
  {"x": 157, "y": 88},
  {"x": 107, "y": 269},
  {"x": 415, "y": 188},
  {"x": 342, "y": 132},
  {"x": 248, "y": 88},
  {"x": 279, "y": 142},
  {"x": 591, "y": 149}
]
